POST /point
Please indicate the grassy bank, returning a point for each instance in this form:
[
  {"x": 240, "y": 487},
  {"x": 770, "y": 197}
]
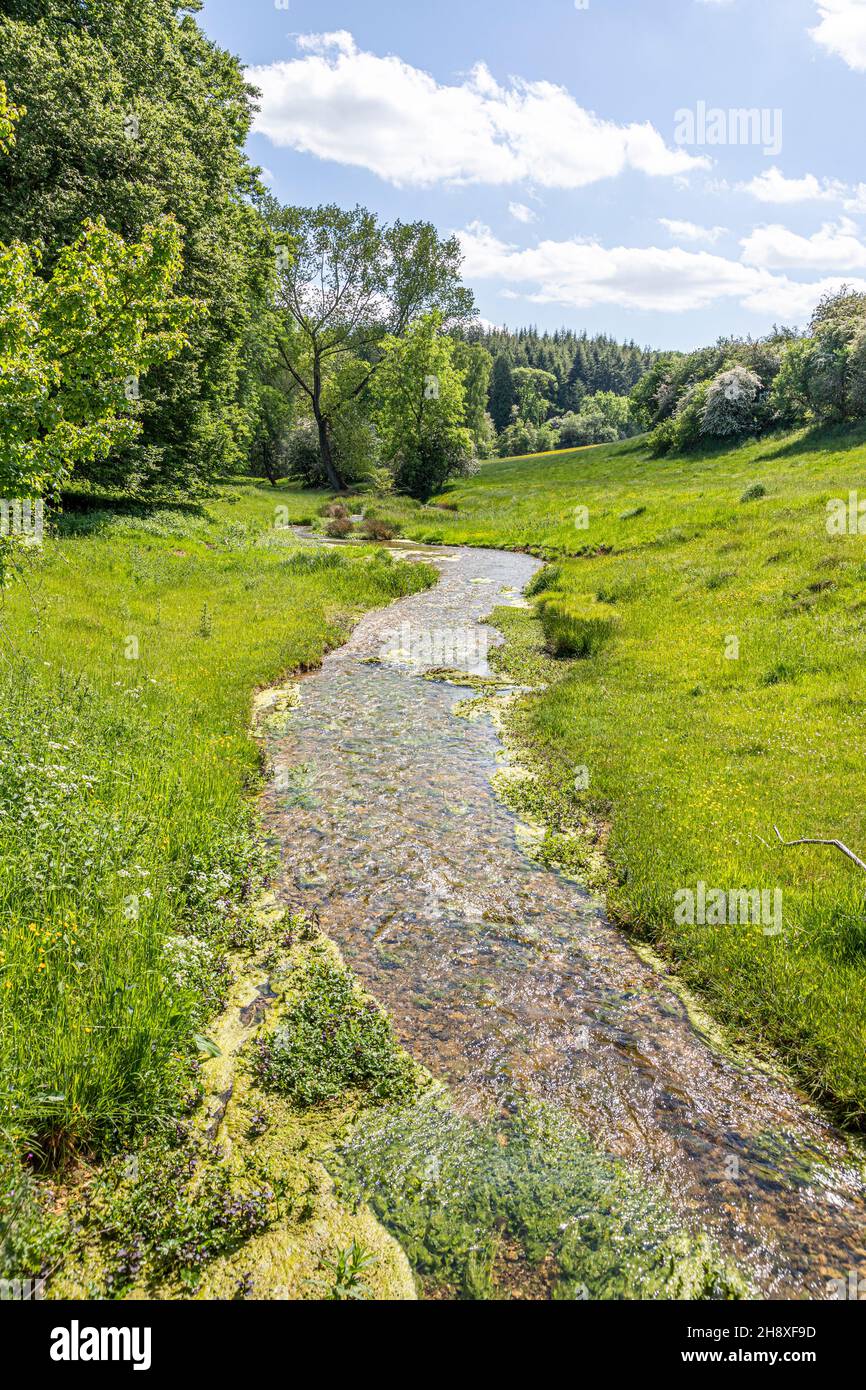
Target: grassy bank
[
  {"x": 726, "y": 699},
  {"x": 129, "y": 864}
]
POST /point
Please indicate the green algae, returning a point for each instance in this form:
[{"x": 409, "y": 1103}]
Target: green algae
[
  {"x": 237, "y": 1202},
  {"x": 520, "y": 1204}
]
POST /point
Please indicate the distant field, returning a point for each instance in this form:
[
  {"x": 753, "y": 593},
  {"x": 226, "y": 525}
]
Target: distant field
[{"x": 695, "y": 754}]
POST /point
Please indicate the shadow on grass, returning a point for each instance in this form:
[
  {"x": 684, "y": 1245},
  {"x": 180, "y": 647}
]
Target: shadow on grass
[
  {"x": 90, "y": 513},
  {"x": 820, "y": 440}
]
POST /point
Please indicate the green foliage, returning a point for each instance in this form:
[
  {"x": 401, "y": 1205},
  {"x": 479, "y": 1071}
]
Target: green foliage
[
  {"x": 69, "y": 343},
  {"x": 581, "y": 365},
  {"x": 519, "y": 438},
  {"x": 534, "y": 391},
  {"x": 501, "y": 393},
  {"x": 303, "y": 456},
  {"x": 420, "y": 408},
  {"x": 132, "y": 114},
  {"x": 747, "y": 387},
  {"x": 270, "y": 443},
  {"x": 753, "y": 492},
  {"x": 128, "y": 862},
  {"x": 684, "y": 430},
  {"x": 475, "y": 365},
  {"x": 331, "y": 1040},
  {"x": 347, "y": 284},
  {"x": 9, "y": 114},
  {"x": 347, "y": 1270},
  {"x": 603, "y": 418}
]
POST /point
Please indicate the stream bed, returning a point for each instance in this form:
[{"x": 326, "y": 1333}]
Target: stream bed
[{"x": 506, "y": 980}]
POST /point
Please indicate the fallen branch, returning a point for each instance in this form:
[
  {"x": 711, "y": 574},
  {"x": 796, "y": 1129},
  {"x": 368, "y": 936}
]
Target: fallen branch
[{"x": 836, "y": 844}]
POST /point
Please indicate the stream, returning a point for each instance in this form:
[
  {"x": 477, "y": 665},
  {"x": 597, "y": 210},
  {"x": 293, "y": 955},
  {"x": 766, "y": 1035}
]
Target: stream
[{"x": 504, "y": 978}]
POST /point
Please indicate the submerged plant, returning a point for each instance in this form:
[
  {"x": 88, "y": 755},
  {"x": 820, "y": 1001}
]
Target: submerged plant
[
  {"x": 347, "y": 1270},
  {"x": 332, "y": 1039}
]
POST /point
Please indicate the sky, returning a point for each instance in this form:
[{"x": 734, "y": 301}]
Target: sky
[{"x": 664, "y": 170}]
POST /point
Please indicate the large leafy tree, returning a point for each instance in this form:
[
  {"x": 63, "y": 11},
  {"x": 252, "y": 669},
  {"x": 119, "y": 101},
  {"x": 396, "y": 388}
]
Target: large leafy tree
[
  {"x": 476, "y": 365},
  {"x": 131, "y": 113},
  {"x": 72, "y": 347},
  {"x": 345, "y": 282},
  {"x": 534, "y": 390},
  {"x": 421, "y": 406}
]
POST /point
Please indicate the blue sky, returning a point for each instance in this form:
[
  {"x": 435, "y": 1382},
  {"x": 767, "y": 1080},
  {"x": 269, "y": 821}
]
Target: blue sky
[{"x": 601, "y": 163}]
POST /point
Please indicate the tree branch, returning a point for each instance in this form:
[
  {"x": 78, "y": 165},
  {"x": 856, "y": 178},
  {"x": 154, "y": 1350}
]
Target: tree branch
[{"x": 836, "y": 844}]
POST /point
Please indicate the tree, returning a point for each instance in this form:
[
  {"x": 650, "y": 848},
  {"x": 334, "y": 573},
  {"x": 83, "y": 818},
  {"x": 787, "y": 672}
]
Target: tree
[
  {"x": 534, "y": 390},
  {"x": 501, "y": 393},
  {"x": 345, "y": 283},
  {"x": 73, "y": 346},
  {"x": 131, "y": 114},
  {"x": 476, "y": 365},
  {"x": 731, "y": 403},
  {"x": 421, "y": 406},
  {"x": 517, "y": 440},
  {"x": 269, "y": 449},
  {"x": 9, "y": 114}
]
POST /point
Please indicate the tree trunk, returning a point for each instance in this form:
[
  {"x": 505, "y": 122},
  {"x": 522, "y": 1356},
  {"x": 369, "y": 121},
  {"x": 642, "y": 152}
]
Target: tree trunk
[
  {"x": 331, "y": 471},
  {"x": 327, "y": 457}
]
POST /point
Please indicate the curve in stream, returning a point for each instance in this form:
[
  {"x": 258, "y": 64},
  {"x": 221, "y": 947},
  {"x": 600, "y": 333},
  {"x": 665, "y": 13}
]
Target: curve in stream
[{"x": 505, "y": 978}]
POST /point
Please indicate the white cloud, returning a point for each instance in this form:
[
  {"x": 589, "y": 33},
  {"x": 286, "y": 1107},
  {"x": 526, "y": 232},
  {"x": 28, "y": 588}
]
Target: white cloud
[
  {"x": 521, "y": 213},
  {"x": 581, "y": 273},
  {"x": 381, "y": 114},
  {"x": 836, "y": 247},
  {"x": 690, "y": 231},
  {"x": 842, "y": 30},
  {"x": 774, "y": 187}
]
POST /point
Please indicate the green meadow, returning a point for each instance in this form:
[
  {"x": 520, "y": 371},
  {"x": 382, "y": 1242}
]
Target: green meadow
[
  {"x": 727, "y": 699},
  {"x": 131, "y": 649},
  {"x": 695, "y": 649}
]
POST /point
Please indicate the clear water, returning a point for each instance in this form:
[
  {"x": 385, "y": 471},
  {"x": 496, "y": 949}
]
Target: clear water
[{"x": 506, "y": 979}]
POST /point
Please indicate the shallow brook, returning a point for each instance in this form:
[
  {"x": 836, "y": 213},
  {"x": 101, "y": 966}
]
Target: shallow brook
[{"x": 506, "y": 980}]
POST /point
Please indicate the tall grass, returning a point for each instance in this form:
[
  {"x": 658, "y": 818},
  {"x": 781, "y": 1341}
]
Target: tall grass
[{"x": 128, "y": 851}]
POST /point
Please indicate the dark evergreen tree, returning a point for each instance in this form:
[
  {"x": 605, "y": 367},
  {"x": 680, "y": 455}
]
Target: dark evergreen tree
[{"x": 501, "y": 393}]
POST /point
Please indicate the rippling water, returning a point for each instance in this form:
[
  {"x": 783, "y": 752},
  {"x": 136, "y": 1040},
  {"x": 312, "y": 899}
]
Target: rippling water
[{"x": 504, "y": 978}]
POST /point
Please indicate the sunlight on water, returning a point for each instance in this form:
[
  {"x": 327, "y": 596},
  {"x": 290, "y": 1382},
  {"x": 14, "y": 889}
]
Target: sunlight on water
[{"x": 506, "y": 980}]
